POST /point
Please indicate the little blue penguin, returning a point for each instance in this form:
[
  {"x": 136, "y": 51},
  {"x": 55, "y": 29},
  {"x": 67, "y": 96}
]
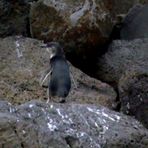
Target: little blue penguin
[{"x": 60, "y": 83}]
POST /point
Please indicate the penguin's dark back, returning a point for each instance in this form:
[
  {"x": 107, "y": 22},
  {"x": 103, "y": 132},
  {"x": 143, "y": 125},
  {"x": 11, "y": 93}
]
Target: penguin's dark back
[{"x": 60, "y": 82}]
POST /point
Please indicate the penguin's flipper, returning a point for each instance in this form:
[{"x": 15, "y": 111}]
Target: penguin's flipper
[{"x": 48, "y": 72}]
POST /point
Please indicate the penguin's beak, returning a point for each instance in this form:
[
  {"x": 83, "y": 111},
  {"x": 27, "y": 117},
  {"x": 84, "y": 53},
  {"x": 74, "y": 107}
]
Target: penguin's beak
[{"x": 48, "y": 49}]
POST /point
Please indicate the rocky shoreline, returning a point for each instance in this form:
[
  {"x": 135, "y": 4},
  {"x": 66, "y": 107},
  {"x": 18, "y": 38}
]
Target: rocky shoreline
[{"x": 108, "y": 43}]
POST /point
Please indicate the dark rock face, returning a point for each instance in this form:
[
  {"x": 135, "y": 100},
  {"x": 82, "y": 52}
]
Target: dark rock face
[
  {"x": 135, "y": 24},
  {"x": 23, "y": 63},
  {"x": 14, "y": 18},
  {"x": 144, "y": 1},
  {"x": 126, "y": 66},
  {"x": 117, "y": 7},
  {"x": 5, "y": 7},
  {"x": 36, "y": 124},
  {"x": 133, "y": 90}
]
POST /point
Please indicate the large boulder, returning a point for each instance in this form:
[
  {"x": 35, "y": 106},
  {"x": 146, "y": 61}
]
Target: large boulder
[
  {"x": 133, "y": 92},
  {"x": 83, "y": 23},
  {"x": 125, "y": 66},
  {"x": 83, "y": 26},
  {"x": 122, "y": 55},
  {"x": 135, "y": 24},
  {"x": 23, "y": 63},
  {"x": 36, "y": 124}
]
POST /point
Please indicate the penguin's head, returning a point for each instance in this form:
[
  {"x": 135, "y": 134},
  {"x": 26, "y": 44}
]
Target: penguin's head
[{"x": 55, "y": 49}]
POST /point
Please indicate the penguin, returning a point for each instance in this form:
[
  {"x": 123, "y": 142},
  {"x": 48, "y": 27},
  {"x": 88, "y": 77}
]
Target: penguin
[{"x": 59, "y": 84}]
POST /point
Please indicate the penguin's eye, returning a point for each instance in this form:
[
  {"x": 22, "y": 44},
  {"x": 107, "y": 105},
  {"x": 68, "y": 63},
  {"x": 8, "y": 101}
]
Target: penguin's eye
[{"x": 53, "y": 49}]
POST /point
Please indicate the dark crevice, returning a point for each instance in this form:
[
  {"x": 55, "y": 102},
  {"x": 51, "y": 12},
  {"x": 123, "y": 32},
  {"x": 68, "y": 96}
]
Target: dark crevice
[
  {"x": 22, "y": 145},
  {"x": 72, "y": 142},
  {"x": 68, "y": 142},
  {"x": 88, "y": 63},
  {"x": 118, "y": 102}
]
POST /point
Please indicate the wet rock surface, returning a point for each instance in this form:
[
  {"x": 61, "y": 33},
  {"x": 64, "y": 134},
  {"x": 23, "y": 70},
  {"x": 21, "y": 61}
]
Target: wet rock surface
[
  {"x": 125, "y": 65},
  {"x": 23, "y": 64},
  {"x": 135, "y": 24},
  {"x": 36, "y": 124}
]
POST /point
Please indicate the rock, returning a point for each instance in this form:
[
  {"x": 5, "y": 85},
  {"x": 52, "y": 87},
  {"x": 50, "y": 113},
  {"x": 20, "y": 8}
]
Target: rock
[
  {"x": 133, "y": 91},
  {"x": 135, "y": 24},
  {"x": 125, "y": 65},
  {"x": 23, "y": 63},
  {"x": 144, "y": 1},
  {"x": 121, "y": 56},
  {"x": 83, "y": 26},
  {"x": 36, "y": 124},
  {"x": 5, "y": 7},
  {"x": 14, "y": 18}
]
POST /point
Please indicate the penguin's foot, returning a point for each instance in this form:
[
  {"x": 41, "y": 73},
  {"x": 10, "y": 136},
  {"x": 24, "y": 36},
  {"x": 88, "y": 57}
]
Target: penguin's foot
[
  {"x": 62, "y": 100},
  {"x": 48, "y": 100}
]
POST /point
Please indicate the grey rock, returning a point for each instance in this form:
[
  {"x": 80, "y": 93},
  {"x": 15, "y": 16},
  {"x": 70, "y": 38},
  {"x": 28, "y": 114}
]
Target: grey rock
[
  {"x": 133, "y": 91},
  {"x": 135, "y": 24},
  {"x": 36, "y": 124},
  {"x": 122, "y": 55},
  {"x": 125, "y": 65},
  {"x": 23, "y": 64}
]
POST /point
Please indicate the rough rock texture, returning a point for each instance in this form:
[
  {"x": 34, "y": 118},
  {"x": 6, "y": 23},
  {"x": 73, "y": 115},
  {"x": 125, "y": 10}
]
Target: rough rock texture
[
  {"x": 36, "y": 124},
  {"x": 144, "y": 1},
  {"x": 135, "y": 24},
  {"x": 85, "y": 22},
  {"x": 23, "y": 63},
  {"x": 5, "y": 7},
  {"x": 125, "y": 65},
  {"x": 14, "y": 17},
  {"x": 83, "y": 26},
  {"x": 133, "y": 91},
  {"x": 123, "y": 55}
]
